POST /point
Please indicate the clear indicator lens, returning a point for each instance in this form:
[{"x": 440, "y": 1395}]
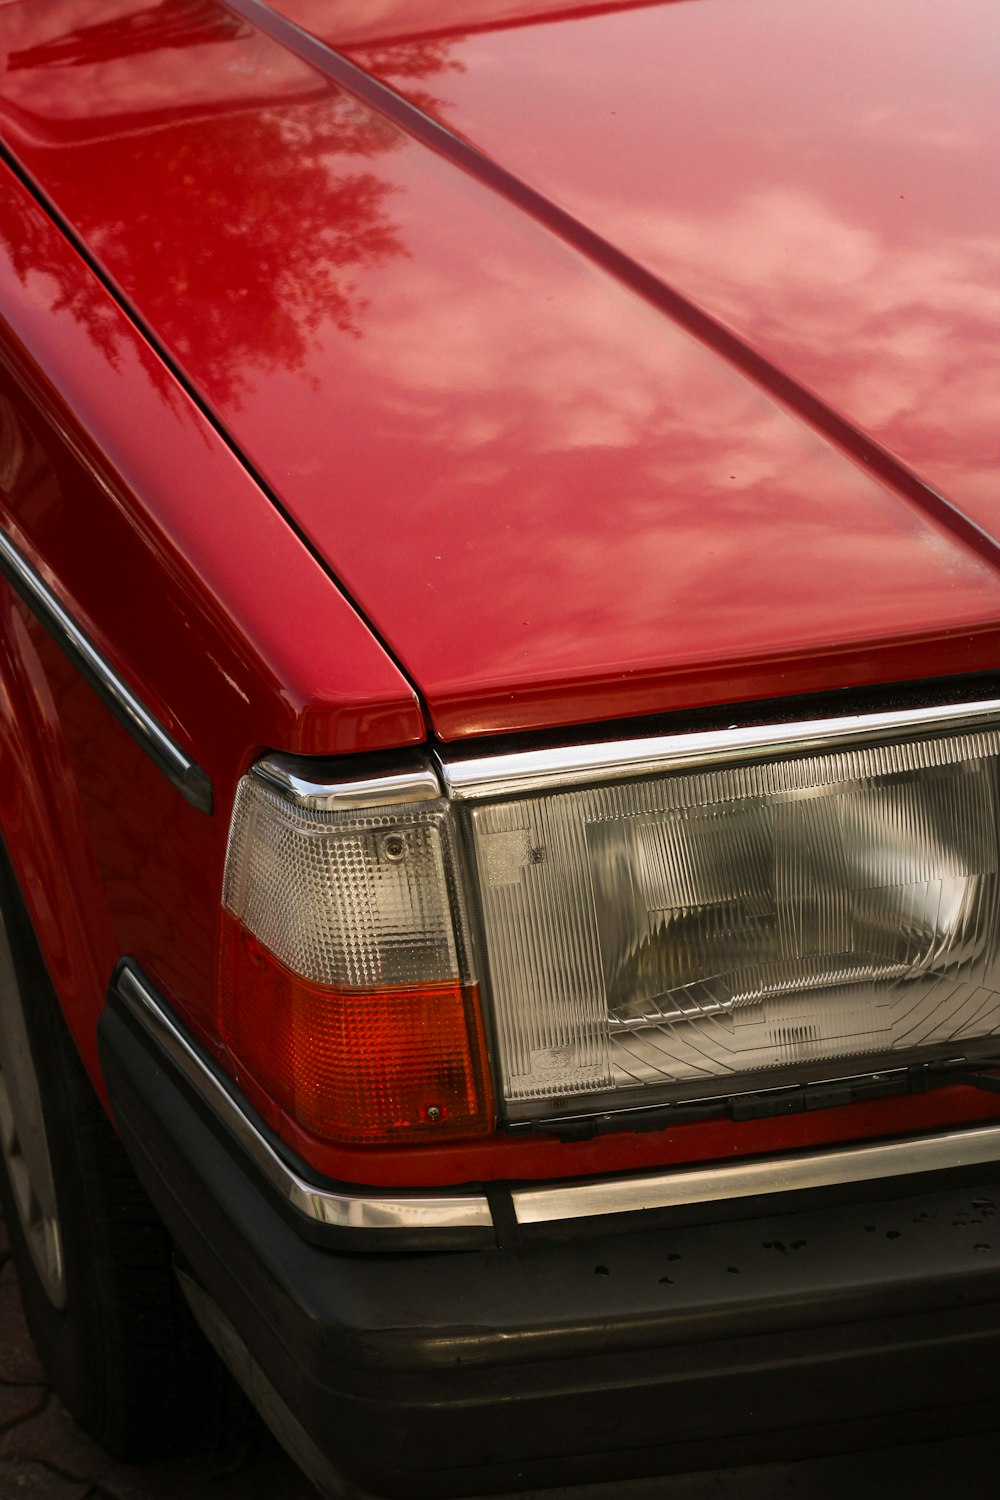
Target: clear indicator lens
[
  {"x": 349, "y": 899},
  {"x": 692, "y": 929}
]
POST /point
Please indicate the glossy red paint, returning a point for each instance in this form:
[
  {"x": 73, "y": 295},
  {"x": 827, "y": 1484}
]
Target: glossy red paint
[
  {"x": 353, "y": 23},
  {"x": 553, "y": 501},
  {"x": 122, "y": 494},
  {"x": 580, "y": 509},
  {"x": 812, "y": 176}
]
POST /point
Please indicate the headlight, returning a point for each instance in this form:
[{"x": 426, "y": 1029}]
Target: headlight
[{"x": 672, "y": 935}]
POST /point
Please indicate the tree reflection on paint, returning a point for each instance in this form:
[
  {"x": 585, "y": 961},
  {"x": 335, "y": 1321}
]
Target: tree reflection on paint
[
  {"x": 242, "y": 214},
  {"x": 150, "y": 29},
  {"x": 405, "y": 63}
]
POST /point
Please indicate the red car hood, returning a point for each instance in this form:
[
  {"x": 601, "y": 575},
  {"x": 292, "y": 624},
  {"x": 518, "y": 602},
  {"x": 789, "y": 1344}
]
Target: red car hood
[{"x": 648, "y": 401}]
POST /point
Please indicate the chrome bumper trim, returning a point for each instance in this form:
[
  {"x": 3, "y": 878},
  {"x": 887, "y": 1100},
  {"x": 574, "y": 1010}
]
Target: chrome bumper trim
[
  {"x": 188, "y": 777},
  {"x": 469, "y": 778},
  {"x": 344, "y": 1210},
  {"x": 686, "y": 1186},
  {"x": 551, "y": 1202}
]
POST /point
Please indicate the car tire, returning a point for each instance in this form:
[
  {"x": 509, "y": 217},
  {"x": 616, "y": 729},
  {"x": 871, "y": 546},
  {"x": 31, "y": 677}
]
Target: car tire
[{"x": 94, "y": 1262}]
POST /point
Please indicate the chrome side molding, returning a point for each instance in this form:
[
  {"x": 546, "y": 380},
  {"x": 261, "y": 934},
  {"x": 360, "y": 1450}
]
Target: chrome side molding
[
  {"x": 188, "y": 777},
  {"x": 476, "y": 778},
  {"x": 338, "y": 1209},
  {"x": 684, "y": 1186}
]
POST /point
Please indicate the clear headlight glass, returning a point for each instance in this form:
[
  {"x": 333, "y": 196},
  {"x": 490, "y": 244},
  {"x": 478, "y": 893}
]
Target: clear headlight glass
[{"x": 674, "y": 936}]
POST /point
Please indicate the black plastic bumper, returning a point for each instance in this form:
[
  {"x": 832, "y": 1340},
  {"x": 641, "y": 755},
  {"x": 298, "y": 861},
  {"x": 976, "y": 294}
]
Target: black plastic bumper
[{"x": 444, "y": 1374}]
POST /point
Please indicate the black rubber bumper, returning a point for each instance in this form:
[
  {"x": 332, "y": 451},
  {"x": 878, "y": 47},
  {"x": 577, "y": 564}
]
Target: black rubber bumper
[{"x": 446, "y": 1374}]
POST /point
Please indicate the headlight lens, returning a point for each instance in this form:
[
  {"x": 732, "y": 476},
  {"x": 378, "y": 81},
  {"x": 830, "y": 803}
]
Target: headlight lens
[{"x": 663, "y": 937}]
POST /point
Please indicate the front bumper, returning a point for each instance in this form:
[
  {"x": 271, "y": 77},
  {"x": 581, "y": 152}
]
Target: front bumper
[{"x": 599, "y": 1356}]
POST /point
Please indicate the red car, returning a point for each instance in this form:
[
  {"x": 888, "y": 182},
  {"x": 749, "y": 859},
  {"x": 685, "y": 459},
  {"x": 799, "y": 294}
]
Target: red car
[{"x": 500, "y": 724}]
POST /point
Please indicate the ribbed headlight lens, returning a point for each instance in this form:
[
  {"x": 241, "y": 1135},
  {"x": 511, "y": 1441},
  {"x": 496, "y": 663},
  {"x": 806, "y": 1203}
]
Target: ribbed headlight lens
[{"x": 666, "y": 936}]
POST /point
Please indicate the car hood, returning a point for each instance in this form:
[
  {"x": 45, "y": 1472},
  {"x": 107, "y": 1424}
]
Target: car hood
[{"x": 665, "y": 374}]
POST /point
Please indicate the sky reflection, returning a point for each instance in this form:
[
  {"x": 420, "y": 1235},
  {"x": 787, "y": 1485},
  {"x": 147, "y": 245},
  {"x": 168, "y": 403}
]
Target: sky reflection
[{"x": 551, "y": 502}]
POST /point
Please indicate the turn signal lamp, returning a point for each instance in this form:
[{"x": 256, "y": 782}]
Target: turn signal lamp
[{"x": 346, "y": 991}]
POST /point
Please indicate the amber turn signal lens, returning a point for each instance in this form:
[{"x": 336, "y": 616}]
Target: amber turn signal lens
[{"x": 400, "y": 1064}]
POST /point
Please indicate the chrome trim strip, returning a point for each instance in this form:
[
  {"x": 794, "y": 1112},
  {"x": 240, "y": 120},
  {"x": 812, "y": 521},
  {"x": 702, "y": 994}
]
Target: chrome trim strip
[
  {"x": 304, "y": 783},
  {"x": 784, "y": 1174},
  {"x": 341, "y": 1209},
  {"x": 476, "y": 778},
  {"x": 188, "y": 777}
]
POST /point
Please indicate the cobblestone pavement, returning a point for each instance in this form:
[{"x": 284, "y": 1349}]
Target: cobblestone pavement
[{"x": 45, "y": 1456}]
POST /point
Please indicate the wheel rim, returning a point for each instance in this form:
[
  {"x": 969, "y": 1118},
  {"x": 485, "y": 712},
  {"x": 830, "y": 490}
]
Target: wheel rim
[{"x": 23, "y": 1142}]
